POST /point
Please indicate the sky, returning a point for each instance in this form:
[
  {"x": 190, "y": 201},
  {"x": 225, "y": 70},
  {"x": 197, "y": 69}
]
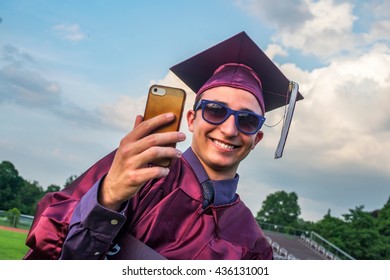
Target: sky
[{"x": 74, "y": 74}]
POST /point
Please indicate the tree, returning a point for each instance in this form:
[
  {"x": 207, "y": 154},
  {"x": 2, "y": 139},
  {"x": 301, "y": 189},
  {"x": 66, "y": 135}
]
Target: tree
[
  {"x": 10, "y": 186},
  {"x": 383, "y": 225},
  {"x": 15, "y": 192},
  {"x": 383, "y": 221},
  {"x": 280, "y": 208},
  {"x": 333, "y": 229},
  {"x": 70, "y": 180},
  {"x": 13, "y": 216},
  {"x": 363, "y": 240},
  {"x": 30, "y": 194},
  {"x": 52, "y": 188}
]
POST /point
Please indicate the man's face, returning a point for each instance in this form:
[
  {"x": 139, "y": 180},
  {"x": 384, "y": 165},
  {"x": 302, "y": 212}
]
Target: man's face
[{"x": 222, "y": 147}]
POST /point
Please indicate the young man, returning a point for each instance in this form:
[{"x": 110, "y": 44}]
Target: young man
[{"x": 125, "y": 208}]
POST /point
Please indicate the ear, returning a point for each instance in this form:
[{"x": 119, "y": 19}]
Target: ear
[
  {"x": 190, "y": 120},
  {"x": 258, "y": 138}
]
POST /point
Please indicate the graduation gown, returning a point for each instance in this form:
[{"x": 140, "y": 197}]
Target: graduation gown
[{"x": 166, "y": 215}]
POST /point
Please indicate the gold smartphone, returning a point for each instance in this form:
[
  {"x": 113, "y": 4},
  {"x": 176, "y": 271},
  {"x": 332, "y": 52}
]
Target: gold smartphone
[{"x": 164, "y": 99}]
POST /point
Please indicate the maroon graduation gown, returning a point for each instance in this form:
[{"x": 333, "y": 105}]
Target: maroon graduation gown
[{"x": 166, "y": 215}]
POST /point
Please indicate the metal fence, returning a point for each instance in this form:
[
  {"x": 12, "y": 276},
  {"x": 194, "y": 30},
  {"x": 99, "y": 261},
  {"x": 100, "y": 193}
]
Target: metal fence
[{"x": 23, "y": 222}]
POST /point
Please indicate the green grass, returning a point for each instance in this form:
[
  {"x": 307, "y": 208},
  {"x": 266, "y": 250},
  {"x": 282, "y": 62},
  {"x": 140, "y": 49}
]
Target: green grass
[{"x": 12, "y": 245}]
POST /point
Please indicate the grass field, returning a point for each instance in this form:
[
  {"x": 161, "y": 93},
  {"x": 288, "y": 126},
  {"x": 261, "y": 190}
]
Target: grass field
[{"x": 12, "y": 245}]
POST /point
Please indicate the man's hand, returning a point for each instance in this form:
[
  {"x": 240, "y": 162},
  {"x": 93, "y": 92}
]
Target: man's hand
[{"x": 130, "y": 170}]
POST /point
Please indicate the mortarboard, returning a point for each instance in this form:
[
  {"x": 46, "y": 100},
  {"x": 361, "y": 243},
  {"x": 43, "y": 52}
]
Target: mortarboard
[
  {"x": 195, "y": 71},
  {"x": 278, "y": 91}
]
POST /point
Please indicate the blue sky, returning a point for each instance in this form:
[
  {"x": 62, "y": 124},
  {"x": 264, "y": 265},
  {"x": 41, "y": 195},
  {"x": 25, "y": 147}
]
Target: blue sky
[{"x": 73, "y": 75}]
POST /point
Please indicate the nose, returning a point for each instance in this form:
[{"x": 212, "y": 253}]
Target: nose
[{"x": 229, "y": 127}]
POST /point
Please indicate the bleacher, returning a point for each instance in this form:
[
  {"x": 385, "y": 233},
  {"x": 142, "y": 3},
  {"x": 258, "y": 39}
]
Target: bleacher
[
  {"x": 290, "y": 247},
  {"x": 299, "y": 245}
]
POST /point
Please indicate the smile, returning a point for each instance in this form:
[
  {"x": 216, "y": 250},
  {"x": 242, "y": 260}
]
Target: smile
[{"x": 223, "y": 145}]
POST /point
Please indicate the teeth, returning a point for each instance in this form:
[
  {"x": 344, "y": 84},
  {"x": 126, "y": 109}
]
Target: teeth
[{"x": 223, "y": 145}]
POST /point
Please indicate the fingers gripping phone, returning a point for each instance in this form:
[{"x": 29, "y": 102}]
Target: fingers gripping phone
[{"x": 164, "y": 99}]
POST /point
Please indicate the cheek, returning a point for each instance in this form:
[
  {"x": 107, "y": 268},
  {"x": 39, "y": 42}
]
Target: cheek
[{"x": 251, "y": 143}]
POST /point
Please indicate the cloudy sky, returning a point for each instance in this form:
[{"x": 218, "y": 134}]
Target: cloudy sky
[{"x": 73, "y": 75}]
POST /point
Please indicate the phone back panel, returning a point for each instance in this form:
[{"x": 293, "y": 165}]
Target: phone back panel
[
  {"x": 172, "y": 100},
  {"x": 163, "y": 99}
]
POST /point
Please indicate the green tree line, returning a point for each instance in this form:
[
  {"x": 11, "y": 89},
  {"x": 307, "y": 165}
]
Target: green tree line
[
  {"x": 363, "y": 234},
  {"x": 16, "y": 192}
]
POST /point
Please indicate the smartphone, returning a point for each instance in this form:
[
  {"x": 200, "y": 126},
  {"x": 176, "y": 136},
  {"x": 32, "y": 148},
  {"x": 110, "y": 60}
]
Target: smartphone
[{"x": 164, "y": 99}]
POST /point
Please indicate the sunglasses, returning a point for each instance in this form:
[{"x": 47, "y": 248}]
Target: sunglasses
[{"x": 216, "y": 113}]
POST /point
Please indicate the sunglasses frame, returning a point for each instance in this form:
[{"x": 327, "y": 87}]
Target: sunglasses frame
[{"x": 204, "y": 102}]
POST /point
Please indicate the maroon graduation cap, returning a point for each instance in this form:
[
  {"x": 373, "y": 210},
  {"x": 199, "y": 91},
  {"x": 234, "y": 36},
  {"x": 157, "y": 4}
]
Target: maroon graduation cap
[
  {"x": 278, "y": 91},
  {"x": 195, "y": 71}
]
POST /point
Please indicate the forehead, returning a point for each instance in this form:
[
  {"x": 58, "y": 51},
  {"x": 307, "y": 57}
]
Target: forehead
[{"x": 237, "y": 99}]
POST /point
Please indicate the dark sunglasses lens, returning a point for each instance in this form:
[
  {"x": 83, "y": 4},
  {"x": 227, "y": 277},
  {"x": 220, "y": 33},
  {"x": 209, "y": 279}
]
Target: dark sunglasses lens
[
  {"x": 247, "y": 122},
  {"x": 214, "y": 113}
]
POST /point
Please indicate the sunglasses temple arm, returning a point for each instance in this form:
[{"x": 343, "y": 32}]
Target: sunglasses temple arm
[{"x": 293, "y": 92}]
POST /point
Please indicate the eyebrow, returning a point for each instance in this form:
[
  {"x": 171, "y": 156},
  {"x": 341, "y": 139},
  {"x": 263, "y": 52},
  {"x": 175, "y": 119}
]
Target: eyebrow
[{"x": 242, "y": 109}]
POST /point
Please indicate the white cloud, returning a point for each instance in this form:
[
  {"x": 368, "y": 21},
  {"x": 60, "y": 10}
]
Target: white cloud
[
  {"x": 9, "y": 54},
  {"x": 314, "y": 210},
  {"x": 345, "y": 110},
  {"x": 323, "y": 28},
  {"x": 121, "y": 113},
  {"x": 275, "y": 50},
  {"x": 28, "y": 87},
  {"x": 24, "y": 85},
  {"x": 71, "y": 32},
  {"x": 320, "y": 28},
  {"x": 327, "y": 33},
  {"x": 285, "y": 15}
]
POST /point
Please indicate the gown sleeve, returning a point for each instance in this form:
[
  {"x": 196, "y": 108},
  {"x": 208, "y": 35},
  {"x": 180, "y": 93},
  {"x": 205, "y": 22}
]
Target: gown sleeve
[
  {"x": 47, "y": 234},
  {"x": 92, "y": 228},
  {"x": 54, "y": 211}
]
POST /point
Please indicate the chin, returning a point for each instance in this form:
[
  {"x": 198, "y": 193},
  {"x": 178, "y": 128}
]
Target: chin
[{"x": 221, "y": 164}]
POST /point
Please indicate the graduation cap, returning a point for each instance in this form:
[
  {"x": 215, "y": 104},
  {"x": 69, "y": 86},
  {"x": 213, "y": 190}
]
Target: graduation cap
[{"x": 278, "y": 91}]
